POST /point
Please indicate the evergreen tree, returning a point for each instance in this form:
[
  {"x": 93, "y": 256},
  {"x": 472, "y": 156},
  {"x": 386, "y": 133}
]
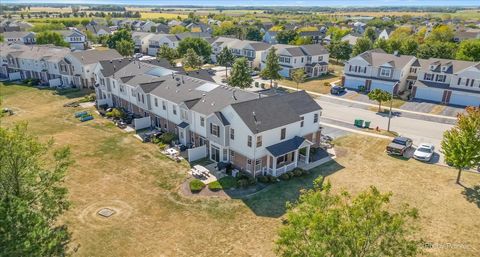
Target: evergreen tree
[
  {"x": 192, "y": 60},
  {"x": 272, "y": 66}
]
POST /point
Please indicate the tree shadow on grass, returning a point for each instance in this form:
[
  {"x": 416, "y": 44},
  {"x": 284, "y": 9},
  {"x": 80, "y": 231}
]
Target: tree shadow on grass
[
  {"x": 472, "y": 194},
  {"x": 272, "y": 201}
]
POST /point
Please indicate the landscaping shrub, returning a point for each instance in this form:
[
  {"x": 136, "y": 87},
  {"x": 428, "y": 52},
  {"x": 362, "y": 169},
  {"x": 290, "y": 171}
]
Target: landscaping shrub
[
  {"x": 31, "y": 82},
  {"x": 305, "y": 172},
  {"x": 290, "y": 174},
  {"x": 326, "y": 84},
  {"x": 263, "y": 179},
  {"x": 88, "y": 98},
  {"x": 297, "y": 172},
  {"x": 168, "y": 137},
  {"x": 271, "y": 179},
  {"x": 196, "y": 186},
  {"x": 284, "y": 176},
  {"x": 215, "y": 186},
  {"x": 161, "y": 145},
  {"x": 242, "y": 182},
  {"x": 115, "y": 113}
]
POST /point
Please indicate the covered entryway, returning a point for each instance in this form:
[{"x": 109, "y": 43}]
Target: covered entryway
[{"x": 285, "y": 156}]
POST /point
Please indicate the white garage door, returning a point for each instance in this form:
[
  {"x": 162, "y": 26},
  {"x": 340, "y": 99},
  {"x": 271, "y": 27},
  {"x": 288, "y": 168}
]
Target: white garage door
[
  {"x": 354, "y": 83},
  {"x": 465, "y": 99},
  {"x": 429, "y": 94},
  {"x": 383, "y": 86}
]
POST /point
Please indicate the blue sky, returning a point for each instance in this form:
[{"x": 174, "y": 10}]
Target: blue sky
[{"x": 331, "y": 3}]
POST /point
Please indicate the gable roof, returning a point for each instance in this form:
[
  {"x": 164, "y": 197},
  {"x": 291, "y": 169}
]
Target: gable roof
[
  {"x": 275, "y": 111},
  {"x": 94, "y": 56},
  {"x": 378, "y": 57}
]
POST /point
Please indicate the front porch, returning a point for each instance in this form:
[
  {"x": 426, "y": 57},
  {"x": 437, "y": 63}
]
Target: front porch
[{"x": 287, "y": 155}]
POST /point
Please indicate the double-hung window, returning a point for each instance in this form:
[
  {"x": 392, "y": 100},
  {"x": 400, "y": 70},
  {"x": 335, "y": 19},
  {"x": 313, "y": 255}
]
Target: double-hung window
[{"x": 385, "y": 72}]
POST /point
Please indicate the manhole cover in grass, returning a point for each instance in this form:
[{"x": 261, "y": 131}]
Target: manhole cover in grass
[{"x": 106, "y": 212}]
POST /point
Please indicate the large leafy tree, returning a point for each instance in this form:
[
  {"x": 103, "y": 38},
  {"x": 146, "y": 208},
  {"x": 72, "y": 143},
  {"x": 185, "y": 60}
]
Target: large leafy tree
[
  {"x": 225, "y": 58},
  {"x": 469, "y": 50},
  {"x": 461, "y": 144},
  {"x": 363, "y": 44},
  {"x": 32, "y": 195},
  {"x": 192, "y": 60},
  {"x": 121, "y": 34},
  {"x": 199, "y": 45},
  {"x": 441, "y": 33},
  {"x": 177, "y": 29},
  {"x": 168, "y": 53},
  {"x": 298, "y": 76},
  {"x": 444, "y": 50},
  {"x": 370, "y": 34},
  {"x": 50, "y": 37},
  {"x": 382, "y": 44},
  {"x": 240, "y": 76},
  {"x": 253, "y": 33},
  {"x": 322, "y": 223},
  {"x": 340, "y": 50},
  {"x": 409, "y": 46},
  {"x": 272, "y": 66},
  {"x": 286, "y": 36},
  {"x": 125, "y": 47},
  {"x": 379, "y": 96}
]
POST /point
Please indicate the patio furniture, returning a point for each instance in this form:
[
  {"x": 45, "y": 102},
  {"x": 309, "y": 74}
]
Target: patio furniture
[{"x": 171, "y": 151}]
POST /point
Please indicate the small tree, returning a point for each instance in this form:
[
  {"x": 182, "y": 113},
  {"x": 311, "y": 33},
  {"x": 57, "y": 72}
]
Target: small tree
[
  {"x": 168, "y": 53},
  {"x": 322, "y": 223},
  {"x": 298, "y": 76},
  {"x": 461, "y": 144},
  {"x": 340, "y": 50},
  {"x": 121, "y": 34},
  {"x": 379, "y": 96},
  {"x": 50, "y": 37},
  {"x": 272, "y": 66},
  {"x": 192, "y": 60},
  {"x": 125, "y": 47},
  {"x": 225, "y": 58},
  {"x": 363, "y": 44},
  {"x": 240, "y": 76},
  {"x": 199, "y": 45}
]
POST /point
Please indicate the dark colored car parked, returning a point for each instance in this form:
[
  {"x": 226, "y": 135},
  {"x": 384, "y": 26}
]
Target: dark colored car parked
[
  {"x": 399, "y": 146},
  {"x": 336, "y": 90}
]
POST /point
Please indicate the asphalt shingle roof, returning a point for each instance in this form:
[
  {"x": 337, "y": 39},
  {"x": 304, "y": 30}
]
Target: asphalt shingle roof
[{"x": 285, "y": 146}]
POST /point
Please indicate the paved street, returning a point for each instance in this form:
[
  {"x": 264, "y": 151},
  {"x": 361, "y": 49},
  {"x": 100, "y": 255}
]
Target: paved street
[{"x": 421, "y": 131}]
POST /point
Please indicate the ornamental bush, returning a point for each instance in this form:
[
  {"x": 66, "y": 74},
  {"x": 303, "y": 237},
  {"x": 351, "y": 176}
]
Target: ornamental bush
[{"x": 196, "y": 185}]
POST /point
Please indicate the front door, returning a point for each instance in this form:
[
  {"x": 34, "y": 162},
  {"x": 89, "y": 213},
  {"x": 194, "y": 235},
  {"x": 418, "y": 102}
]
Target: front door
[{"x": 215, "y": 154}]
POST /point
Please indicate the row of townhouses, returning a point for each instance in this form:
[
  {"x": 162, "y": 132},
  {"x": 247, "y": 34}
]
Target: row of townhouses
[
  {"x": 254, "y": 132},
  {"x": 52, "y": 65},
  {"x": 312, "y": 58},
  {"x": 74, "y": 37},
  {"x": 437, "y": 80}
]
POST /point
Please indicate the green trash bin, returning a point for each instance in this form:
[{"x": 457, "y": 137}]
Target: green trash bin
[
  {"x": 367, "y": 124},
  {"x": 358, "y": 123}
]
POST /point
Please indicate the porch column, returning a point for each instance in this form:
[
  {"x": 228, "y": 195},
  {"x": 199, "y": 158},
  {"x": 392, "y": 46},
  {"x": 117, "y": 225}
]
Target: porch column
[
  {"x": 307, "y": 157},
  {"x": 295, "y": 158},
  {"x": 274, "y": 166},
  {"x": 268, "y": 163}
]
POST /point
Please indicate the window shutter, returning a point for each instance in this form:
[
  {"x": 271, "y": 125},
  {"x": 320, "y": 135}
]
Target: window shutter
[{"x": 211, "y": 130}]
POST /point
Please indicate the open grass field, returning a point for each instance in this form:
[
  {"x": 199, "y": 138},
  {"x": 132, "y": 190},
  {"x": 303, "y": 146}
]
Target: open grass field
[
  {"x": 314, "y": 85},
  {"x": 113, "y": 169},
  {"x": 156, "y": 15}
]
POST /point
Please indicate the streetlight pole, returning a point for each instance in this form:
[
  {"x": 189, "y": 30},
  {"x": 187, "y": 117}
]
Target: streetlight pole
[{"x": 390, "y": 111}]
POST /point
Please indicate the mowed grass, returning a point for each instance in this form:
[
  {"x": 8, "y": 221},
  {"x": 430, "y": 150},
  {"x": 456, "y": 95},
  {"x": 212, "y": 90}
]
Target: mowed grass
[
  {"x": 113, "y": 169},
  {"x": 315, "y": 85}
]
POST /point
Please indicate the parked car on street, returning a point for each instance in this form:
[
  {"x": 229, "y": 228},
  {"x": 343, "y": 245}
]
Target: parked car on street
[
  {"x": 399, "y": 146},
  {"x": 336, "y": 90},
  {"x": 424, "y": 152}
]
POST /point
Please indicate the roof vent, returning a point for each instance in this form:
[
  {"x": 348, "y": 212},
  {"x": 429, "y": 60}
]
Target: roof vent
[{"x": 213, "y": 103}]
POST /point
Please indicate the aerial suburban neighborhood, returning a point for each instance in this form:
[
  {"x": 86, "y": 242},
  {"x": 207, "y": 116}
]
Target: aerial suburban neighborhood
[{"x": 223, "y": 128}]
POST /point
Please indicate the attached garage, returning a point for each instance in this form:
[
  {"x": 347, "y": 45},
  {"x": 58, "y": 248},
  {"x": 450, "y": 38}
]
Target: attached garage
[
  {"x": 385, "y": 86},
  {"x": 429, "y": 94},
  {"x": 354, "y": 83},
  {"x": 465, "y": 99}
]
